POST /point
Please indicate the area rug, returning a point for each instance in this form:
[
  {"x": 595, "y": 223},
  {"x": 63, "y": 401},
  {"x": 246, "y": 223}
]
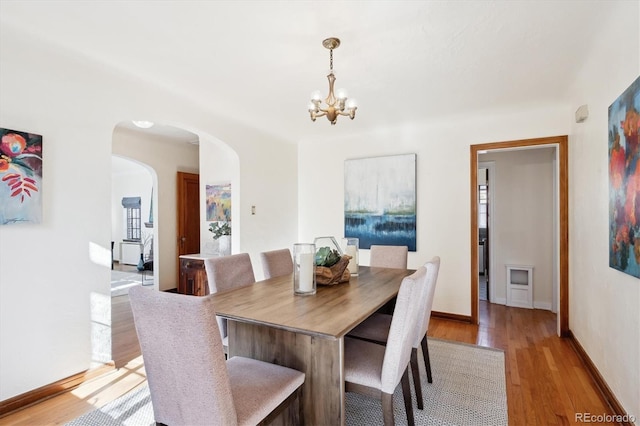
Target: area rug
[
  {"x": 468, "y": 388},
  {"x": 122, "y": 281}
]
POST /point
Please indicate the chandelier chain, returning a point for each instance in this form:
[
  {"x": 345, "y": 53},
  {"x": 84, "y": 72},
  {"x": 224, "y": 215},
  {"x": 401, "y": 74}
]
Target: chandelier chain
[{"x": 331, "y": 59}]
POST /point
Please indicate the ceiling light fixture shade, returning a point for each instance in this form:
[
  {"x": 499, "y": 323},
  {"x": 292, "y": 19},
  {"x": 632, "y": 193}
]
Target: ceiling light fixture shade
[
  {"x": 335, "y": 105},
  {"x": 142, "y": 124}
]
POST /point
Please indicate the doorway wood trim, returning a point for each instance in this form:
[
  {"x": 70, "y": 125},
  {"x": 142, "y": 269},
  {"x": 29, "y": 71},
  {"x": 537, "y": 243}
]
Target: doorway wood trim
[
  {"x": 188, "y": 217},
  {"x": 563, "y": 217}
]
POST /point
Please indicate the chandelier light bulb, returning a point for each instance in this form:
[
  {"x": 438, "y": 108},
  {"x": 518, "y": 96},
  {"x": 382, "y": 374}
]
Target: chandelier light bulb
[
  {"x": 341, "y": 94},
  {"x": 311, "y": 106},
  {"x": 142, "y": 124},
  {"x": 352, "y": 104},
  {"x": 316, "y": 95}
]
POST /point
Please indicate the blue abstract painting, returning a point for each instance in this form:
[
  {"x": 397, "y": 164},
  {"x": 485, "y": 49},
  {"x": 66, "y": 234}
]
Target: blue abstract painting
[{"x": 380, "y": 200}]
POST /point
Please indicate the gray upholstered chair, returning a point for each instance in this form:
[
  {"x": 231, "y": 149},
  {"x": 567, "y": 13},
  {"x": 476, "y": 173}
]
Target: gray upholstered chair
[
  {"x": 224, "y": 273},
  {"x": 276, "y": 263},
  {"x": 189, "y": 380},
  {"x": 389, "y": 256},
  {"x": 375, "y": 370},
  {"x": 376, "y": 328}
]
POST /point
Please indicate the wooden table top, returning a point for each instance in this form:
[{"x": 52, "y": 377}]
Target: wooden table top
[{"x": 331, "y": 312}]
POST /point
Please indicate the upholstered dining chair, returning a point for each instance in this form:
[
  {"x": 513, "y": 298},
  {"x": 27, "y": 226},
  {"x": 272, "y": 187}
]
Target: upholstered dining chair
[
  {"x": 276, "y": 263},
  {"x": 377, "y": 327},
  {"x": 189, "y": 380},
  {"x": 388, "y": 256},
  {"x": 376, "y": 370},
  {"x": 224, "y": 273}
]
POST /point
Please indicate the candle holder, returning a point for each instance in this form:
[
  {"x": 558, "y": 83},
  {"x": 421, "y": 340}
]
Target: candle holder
[
  {"x": 304, "y": 266},
  {"x": 351, "y": 247}
]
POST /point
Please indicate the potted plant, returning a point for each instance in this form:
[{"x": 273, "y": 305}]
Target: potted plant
[{"x": 222, "y": 234}]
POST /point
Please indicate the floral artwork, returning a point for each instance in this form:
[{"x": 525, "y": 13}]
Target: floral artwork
[
  {"x": 624, "y": 181},
  {"x": 380, "y": 200},
  {"x": 219, "y": 202},
  {"x": 20, "y": 177}
]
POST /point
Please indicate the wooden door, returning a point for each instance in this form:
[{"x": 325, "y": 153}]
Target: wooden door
[{"x": 188, "y": 193}]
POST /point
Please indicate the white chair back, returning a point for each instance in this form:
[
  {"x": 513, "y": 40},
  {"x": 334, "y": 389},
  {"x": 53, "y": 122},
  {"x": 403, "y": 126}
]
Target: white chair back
[
  {"x": 429, "y": 288},
  {"x": 402, "y": 330}
]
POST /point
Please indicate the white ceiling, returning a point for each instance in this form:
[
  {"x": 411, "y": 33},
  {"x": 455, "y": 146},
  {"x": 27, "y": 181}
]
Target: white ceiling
[
  {"x": 167, "y": 132},
  {"x": 404, "y": 61}
]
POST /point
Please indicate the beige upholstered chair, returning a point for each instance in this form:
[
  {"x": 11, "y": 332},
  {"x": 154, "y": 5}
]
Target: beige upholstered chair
[
  {"x": 276, "y": 263},
  {"x": 375, "y": 370},
  {"x": 189, "y": 380},
  {"x": 376, "y": 328},
  {"x": 224, "y": 273},
  {"x": 389, "y": 256}
]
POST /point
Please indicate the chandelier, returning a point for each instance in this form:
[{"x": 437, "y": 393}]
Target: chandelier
[{"x": 335, "y": 105}]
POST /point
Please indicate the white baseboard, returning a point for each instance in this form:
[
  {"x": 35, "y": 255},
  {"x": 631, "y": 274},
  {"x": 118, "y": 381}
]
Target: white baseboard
[{"x": 542, "y": 305}]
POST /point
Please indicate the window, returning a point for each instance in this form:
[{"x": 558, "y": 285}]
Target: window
[
  {"x": 133, "y": 218},
  {"x": 482, "y": 194},
  {"x": 482, "y": 206}
]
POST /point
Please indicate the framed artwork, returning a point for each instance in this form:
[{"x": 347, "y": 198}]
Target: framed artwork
[
  {"x": 624, "y": 181},
  {"x": 219, "y": 202},
  {"x": 20, "y": 177},
  {"x": 380, "y": 200}
]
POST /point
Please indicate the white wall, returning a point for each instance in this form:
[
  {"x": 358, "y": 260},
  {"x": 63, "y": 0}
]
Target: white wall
[
  {"x": 604, "y": 303},
  {"x": 272, "y": 226},
  {"x": 523, "y": 219},
  {"x": 54, "y": 277},
  {"x": 219, "y": 165},
  {"x": 443, "y": 222}
]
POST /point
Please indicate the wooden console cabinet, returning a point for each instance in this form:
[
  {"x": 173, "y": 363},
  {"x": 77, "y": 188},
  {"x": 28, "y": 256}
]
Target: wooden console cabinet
[{"x": 193, "y": 276}]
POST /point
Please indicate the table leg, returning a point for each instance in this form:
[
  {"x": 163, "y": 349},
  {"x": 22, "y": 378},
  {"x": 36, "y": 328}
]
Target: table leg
[{"x": 321, "y": 359}]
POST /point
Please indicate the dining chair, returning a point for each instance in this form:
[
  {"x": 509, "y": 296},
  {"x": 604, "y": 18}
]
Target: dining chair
[
  {"x": 377, "y": 327},
  {"x": 276, "y": 263},
  {"x": 388, "y": 256},
  {"x": 224, "y": 273},
  {"x": 189, "y": 380},
  {"x": 376, "y": 370}
]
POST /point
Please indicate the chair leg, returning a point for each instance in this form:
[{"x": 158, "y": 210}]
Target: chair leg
[
  {"x": 387, "y": 409},
  {"x": 425, "y": 355},
  {"x": 406, "y": 393},
  {"x": 415, "y": 371}
]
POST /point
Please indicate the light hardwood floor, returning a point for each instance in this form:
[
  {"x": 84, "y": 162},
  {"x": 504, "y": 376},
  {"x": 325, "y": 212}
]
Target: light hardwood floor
[{"x": 546, "y": 381}]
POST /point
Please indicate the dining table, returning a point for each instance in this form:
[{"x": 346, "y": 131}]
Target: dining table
[{"x": 268, "y": 322}]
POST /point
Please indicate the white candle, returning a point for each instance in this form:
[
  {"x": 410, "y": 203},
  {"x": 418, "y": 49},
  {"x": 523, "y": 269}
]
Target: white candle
[
  {"x": 353, "y": 262},
  {"x": 306, "y": 272}
]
